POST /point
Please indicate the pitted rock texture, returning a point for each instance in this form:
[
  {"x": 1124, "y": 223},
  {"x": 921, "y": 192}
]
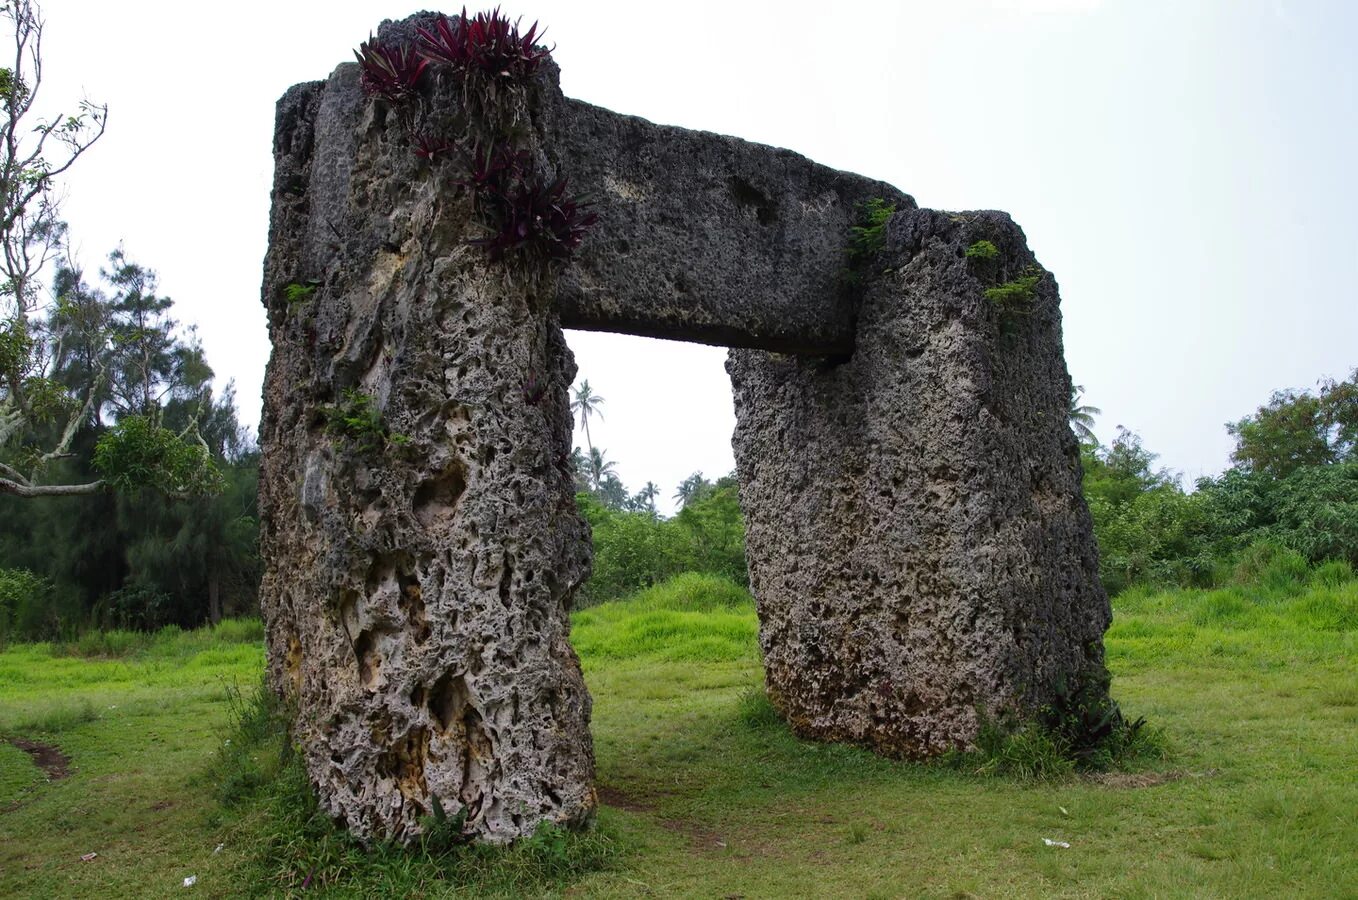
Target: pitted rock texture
[
  {"x": 707, "y": 238},
  {"x": 416, "y": 592},
  {"x": 919, "y": 548}
]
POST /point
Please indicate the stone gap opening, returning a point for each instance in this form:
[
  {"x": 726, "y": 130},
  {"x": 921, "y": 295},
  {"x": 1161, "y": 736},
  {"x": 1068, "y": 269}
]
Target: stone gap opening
[{"x": 667, "y": 409}]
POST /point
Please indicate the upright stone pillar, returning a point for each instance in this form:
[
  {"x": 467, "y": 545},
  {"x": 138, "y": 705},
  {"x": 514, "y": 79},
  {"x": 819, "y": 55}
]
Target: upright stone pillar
[
  {"x": 420, "y": 535},
  {"x": 920, "y": 552},
  {"x": 919, "y": 548}
]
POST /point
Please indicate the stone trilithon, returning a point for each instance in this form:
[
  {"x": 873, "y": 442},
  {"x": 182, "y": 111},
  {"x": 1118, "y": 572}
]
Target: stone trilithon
[{"x": 920, "y": 553}]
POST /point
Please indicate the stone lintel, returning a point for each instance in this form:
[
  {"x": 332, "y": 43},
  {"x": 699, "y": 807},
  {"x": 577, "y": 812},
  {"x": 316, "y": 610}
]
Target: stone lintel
[{"x": 707, "y": 238}]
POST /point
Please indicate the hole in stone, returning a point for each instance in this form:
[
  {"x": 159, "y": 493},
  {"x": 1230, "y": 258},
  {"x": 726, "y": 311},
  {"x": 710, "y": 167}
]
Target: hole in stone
[
  {"x": 506, "y": 577},
  {"x": 623, "y": 246},
  {"x": 436, "y": 498},
  {"x": 367, "y": 664},
  {"x": 748, "y": 195},
  {"x": 447, "y": 701},
  {"x": 404, "y": 763}
]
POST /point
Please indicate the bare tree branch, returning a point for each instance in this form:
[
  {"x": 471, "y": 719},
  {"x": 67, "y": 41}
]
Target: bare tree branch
[{"x": 8, "y": 486}]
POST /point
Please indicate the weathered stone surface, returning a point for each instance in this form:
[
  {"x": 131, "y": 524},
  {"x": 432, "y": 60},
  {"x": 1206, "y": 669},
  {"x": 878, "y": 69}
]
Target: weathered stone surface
[
  {"x": 416, "y": 594},
  {"x": 707, "y": 238},
  {"x": 919, "y": 548}
]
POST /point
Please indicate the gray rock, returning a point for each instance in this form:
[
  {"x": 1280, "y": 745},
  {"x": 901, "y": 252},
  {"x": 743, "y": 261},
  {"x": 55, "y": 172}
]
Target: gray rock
[
  {"x": 707, "y": 238},
  {"x": 417, "y": 590},
  {"x": 919, "y": 549}
]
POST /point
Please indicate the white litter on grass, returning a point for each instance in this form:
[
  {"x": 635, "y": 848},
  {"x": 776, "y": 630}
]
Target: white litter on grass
[
  {"x": 1051, "y": 843},
  {"x": 1064, "y": 811},
  {"x": 218, "y": 849},
  {"x": 191, "y": 881}
]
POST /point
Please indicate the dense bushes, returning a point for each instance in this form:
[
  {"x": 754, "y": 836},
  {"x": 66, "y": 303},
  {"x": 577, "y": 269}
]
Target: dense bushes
[
  {"x": 1150, "y": 531},
  {"x": 25, "y": 600},
  {"x": 634, "y": 549}
]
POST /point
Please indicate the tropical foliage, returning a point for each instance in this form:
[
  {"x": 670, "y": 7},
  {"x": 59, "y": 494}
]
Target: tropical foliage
[{"x": 1293, "y": 490}]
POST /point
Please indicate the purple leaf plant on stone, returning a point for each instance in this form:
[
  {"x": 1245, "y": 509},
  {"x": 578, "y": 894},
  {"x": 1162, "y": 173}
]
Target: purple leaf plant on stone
[
  {"x": 432, "y": 147},
  {"x": 526, "y": 213},
  {"x": 389, "y": 72},
  {"x": 535, "y": 217},
  {"x": 487, "y": 42},
  {"x": 534, "y": 389}
]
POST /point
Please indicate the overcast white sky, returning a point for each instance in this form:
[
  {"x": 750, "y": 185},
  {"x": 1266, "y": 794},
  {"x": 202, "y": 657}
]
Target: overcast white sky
[{"x": 1184, "y": 167}]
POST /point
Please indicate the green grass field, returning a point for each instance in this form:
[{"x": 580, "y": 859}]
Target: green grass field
[{"x": 1255, "y": 689}]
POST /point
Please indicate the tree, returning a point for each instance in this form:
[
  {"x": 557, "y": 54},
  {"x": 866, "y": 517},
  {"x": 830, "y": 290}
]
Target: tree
[
  {"x": 1082, "y": 417},
  {"x": 690, "y": 487},
  {"x": 601, "y": 468},
  {"x": 644, "y": 499},
  {"x": 611, "y": 492},
  {"x": 586, "y": 403},
  {"x": 1296, "y": 429},
  {"x": 33, "y": 155}
]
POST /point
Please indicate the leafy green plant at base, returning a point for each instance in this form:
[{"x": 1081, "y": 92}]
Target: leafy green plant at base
[
  {"x": 257, "y": 748},
  {"x": 756, "y": 710},
  {"x": 1081, "y": 730},
  {"x": 358, "y": 421}
]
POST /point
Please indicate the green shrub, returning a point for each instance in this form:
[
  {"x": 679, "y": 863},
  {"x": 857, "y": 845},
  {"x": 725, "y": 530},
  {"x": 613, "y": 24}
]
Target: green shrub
[
  {"x": 1016, "y": 297},
  {"x": 136, "y": 606},
  {"x": 868, "y": 237},
  {"x": 636, "y": 550},
  {"x": 983, "y": 250},
  {"x": 1333, "y": 573},
  {"x": 1271, "y": 565},
  {"x": 1082, "y": 729},
  {"x": 358, "y": 422},
  {"x": 25, "y": 606}
]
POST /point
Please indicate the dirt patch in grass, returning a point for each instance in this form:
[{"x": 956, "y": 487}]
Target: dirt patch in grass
[
  {"x": 50, "y": 759},
  {"x": 700, "y": 838}
]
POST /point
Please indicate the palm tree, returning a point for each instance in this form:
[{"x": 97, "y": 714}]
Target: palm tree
[
  {"x": 600, "y": 467},
  {"x": 587, "y": 404},
  {"x": 690, "y": 487},
  {"x": 1082, "y": 417}
]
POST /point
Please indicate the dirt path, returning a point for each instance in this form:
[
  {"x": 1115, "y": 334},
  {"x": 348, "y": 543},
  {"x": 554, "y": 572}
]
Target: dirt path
[
  {"x": 701, "y": 839},
  {"x": 54, "y": 764}
]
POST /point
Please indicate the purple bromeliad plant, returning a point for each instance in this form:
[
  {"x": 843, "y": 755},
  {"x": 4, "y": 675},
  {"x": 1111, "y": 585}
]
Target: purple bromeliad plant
[
  {"x": 389, "y": 71},
  {"x": 527, "y": 215},
  {"x": 487, "y": 42}
]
